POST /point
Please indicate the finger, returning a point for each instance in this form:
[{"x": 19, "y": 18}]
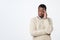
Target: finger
[{"x": 44, "y": 11}]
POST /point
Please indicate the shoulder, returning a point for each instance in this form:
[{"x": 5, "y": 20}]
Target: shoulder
[
  {"x": 34, "y": 18},
  {"x": 49, "y": 19}
]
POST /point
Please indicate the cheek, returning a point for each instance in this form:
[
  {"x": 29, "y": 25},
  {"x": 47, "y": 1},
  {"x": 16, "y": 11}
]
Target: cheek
[{"x": 40, "y": 13}]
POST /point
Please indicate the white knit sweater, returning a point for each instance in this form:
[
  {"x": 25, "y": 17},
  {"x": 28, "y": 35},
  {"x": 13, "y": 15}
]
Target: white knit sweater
[{"x": 41, "y": 29}]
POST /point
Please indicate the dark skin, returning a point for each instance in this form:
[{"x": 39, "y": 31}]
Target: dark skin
[{"x": 42, "y": 12}]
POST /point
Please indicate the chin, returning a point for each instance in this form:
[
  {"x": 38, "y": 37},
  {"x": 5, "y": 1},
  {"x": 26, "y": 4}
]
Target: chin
[{"x": 41, "y": 16}]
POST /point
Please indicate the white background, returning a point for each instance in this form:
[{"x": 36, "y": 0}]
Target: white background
[{"x": 15, "y": 16}]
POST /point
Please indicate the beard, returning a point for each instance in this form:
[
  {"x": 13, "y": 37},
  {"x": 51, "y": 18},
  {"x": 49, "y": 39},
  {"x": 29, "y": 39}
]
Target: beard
[{"x": 42, "y": 15}]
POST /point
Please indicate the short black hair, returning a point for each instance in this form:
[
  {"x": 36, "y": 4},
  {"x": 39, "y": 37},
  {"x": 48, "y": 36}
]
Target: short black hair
[{"x": 43, "y": 6}]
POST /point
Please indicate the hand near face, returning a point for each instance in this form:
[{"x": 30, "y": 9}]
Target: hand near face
[{"x": 45, "y": 14}]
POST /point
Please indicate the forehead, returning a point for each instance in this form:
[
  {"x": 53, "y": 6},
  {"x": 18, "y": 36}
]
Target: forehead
[{"x": 40, "y": 8}]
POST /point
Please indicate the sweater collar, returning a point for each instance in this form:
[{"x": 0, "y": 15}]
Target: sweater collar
[{"x": 39, "y": 17}]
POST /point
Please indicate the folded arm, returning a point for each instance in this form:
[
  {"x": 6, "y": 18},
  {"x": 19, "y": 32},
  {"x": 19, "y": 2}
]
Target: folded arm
[
  {"x": 48, "y": 25},
  {"x": 35, "y": 32}
]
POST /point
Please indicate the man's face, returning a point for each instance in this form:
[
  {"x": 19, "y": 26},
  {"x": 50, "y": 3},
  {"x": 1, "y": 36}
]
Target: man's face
[{"x": 41, "y": 12}]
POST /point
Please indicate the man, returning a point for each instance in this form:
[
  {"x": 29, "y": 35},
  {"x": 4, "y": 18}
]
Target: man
[{"x": 41, "y": 25}]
